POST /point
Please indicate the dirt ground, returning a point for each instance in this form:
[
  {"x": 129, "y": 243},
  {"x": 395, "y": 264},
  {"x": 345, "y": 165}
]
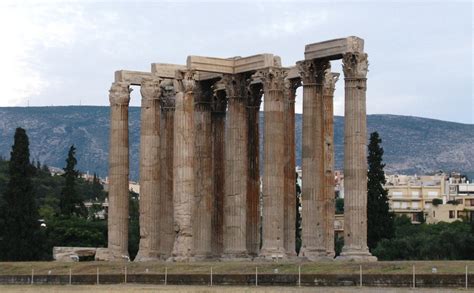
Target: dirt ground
[{"x": 204, "y": 289}]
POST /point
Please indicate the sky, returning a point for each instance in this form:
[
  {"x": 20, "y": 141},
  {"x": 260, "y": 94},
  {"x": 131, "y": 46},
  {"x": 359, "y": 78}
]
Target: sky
[{"x": 66, "y": 52}]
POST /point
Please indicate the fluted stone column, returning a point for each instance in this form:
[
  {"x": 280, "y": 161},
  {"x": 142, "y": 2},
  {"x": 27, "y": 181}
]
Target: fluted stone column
[
  {"x": 253, "y": 187},
  {"x": 313, "y": 222},
  {"x": 149, "y": 247},
  {"x": 183, "y": 169},
  {"x": 236, "y": 169},
  {"x": 218, "y": 115},
  {"x": 355, "y": 67},
  {"x": 329, "y": 84},
  {"x": 118, "y": 172},
  {"x": 290, "y": 164},
  {"x": 274, "y": 165},
  {"x": 167, "y": 234},
  {"x": 203, "y": 202}
]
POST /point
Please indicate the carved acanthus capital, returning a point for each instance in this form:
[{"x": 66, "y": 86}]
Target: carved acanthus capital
[
  {"x": 255, "y": 95},
  {"x": 312, "y": 71},
  {"x": 185, "y": 81},
  {"x": 355, "y": 65},
  {"x": 272, "y": 78},
  {"x": 329, "y": 85},
  {"x": 235, "y": 85},
  {"x": 168, "y": 93},
  {"x": 150, "y": 89},
  {"x": 291, "y": 85},
  {"x": 119, "y": 93}
]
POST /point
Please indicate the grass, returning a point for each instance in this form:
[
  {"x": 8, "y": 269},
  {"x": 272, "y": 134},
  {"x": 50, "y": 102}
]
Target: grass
[{"x": 382, "y": 267}]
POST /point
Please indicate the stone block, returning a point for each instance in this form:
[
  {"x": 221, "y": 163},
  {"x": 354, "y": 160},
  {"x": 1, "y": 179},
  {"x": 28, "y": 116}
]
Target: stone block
[
  {"x": 131, "y": 77},
  {"x": 334, "y": 49},
  {"x": 72, "y": 254},
  {"x": 166, "y": 70}
]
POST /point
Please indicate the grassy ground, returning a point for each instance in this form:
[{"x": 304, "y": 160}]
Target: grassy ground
[
  {"x": 204, "y": 289},
  {"x": 392, "y": 267}
]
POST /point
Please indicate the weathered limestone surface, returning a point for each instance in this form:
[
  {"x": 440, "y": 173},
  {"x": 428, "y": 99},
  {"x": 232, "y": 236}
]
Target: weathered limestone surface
[
  {"x": 149, "y": 247},
  {"x": 312, "y": 74},
  {"x": 72, "y": 254},
  {"x": 236, "y": 169},
  {"x": 329, "y": 85},
  {"x": 355, "y": 67},
  {"x": 218, "y": 114},
  {"x": 131, "y": 77},
  {"x": 290, "y": 161},
  {"x": 334, "y": 49},
  {"x": 167, "y": 233},
  {"x": 118, "y": 171},
  {"x": 202, "y": 218},
  {"x": 234, "y": 65},
  {"x": 274, "y": 165},
  {"x": 183, "y": 169},
  {"x": 253, "y": 187}
]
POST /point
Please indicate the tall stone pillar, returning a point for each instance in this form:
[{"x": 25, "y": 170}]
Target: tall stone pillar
[
  {"x": 355, "y": 67},
  {"x": 118, "y": 172},
  {"x": 203, "y": 202},
  {"x": 274, "y": 165},
  {"x": 167, "y": 234},
  {"x": 313, "y": 222},
  {"x": 236, "y": 169},
  {"x": 149, "y": 248},
  {"x": 253, "y": 187},
  {"x": 290, "y": 164},
  {"x": 218, "y": 115},
  {"x": 183, "y": 168},
  {"x": 329, "y": 86}
]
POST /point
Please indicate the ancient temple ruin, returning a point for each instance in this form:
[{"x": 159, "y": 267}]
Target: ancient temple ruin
[{"x": 199, "y": 157}]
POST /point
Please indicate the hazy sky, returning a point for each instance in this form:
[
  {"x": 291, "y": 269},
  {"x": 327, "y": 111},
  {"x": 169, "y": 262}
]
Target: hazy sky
[{"x": 66, "y": 52}]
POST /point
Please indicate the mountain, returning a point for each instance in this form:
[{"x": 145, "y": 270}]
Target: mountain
[{"x": 411, "y": 144}]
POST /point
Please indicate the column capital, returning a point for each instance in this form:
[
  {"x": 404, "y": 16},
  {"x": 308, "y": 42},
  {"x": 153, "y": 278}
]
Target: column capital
[
  {"x": 150, "y": 90},
  {"x": 255, "y": 96},
  {"x": 290, "y": 88},
  {"x": 355, "y": 65},
  {"x": 168, "y": 93},
  {"x": 185, "y": 81},
  {"x": 119, "y": 93},
  {"x": 329, "y": 84},
  {"x": 272, "y": 78},
  {"x": 312, "y": 71},
  {"x": 235, "y": 86},
  {"x": 203, "y": 94}
]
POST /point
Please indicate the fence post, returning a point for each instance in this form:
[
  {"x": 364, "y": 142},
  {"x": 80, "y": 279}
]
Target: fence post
[
  {"x": 97, "y": 275},
  {"x": 125, "y": 274},
  {"x": 211, "y": 276},
  {"x": 256, "y": 276},
  {"x": 414, "y": 279},
  {"x": 70, "y": 276},
  {"x": 166, "y": 276},
  {"x": 466, "y": 276},
  {"x": 360, "y": 275},
  {"x": 299, "y": 276},
  {"x": 32, "y": 276}
]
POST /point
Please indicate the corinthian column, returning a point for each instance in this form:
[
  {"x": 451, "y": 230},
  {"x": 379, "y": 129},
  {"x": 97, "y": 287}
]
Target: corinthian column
[
  {"x": 149, "y": 171},
  {"x": 183, "y": 168},
  {"x": 203, "y": 172},
  {"x": 274, "y": 165},
  {"x": 313, "y": 244},
  {"x": 119, "y": 96},
  {"x": 290, "y": 164},
  {"x": 355, "y": 163},
  {"x": 218, "y": 114},
  {"x": 329, "y": 86},
  {"x": 236, "y": 169},
  {"x": 253, "y": 187},
  {"x": 167, "y": 234}
]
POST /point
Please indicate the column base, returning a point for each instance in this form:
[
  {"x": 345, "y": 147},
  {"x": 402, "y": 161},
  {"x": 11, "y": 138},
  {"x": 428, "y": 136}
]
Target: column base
[
  {"x": 107, "y": 254},
  {"x": 147, "y": 256},
  {"x": 273, "y": 255},
  {"x": 356, "y": 255},
  {"x": 315, "y": 254},
  {"x": 203, "y": 256},
  {"x": 236, "y": 256}
]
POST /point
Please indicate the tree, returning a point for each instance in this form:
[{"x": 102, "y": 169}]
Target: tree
[
  {"x": 380, "y": 221},
  {"x": 70, "y": 203},
  {"x": 22, "y": 235}
]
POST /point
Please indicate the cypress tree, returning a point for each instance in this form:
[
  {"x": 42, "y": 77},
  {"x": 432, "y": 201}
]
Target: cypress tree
[
  {"x": 70, "y": 203},
  {"x": 380, "y": 221},
  {"x": 21, "y": 237}
]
